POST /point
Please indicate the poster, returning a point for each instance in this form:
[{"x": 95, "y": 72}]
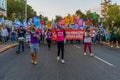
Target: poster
[
  {"x": 80, "y": 22},
  {"x": 36, "y": 22},
  {"x": 49, "y": 25},
  {"x": 70, "y": 34}
]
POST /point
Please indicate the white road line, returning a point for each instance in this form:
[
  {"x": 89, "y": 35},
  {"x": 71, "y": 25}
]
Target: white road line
[
  {"x": 104, "y": 61},
  {"x": 108, "y": 63},
  {"x": 77, "y": 46}
]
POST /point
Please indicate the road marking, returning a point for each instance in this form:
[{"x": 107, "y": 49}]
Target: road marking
[
  {"x": 77, "y": 47},
  {"x": 108, "y": 63},
  {"x": 104, "y": 61}
]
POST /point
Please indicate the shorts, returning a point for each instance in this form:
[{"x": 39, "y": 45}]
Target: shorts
[
  {"x": 114, "y": 39},
  {"x": 34, "y": 47},
  {"x": 107, "y": 38}
]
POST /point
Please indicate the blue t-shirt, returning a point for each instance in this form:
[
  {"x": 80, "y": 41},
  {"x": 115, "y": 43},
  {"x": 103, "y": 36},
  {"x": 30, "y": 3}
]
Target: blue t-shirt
[{"x": 21, "y": 33}]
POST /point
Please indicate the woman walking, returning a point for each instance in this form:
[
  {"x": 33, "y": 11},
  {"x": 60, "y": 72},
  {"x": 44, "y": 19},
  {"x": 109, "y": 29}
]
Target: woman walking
[
  {"x": 49, "y": 38},
  {"x": 60, "y": 43}
]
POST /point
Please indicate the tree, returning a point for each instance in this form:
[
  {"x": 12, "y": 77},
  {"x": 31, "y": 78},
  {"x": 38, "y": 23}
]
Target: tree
[
  {"x": 58, "y": 18},
  {"x": 80, "y": 14},
  {"x": 16, "y": 9},
  {"x": 113, "y": 15}
]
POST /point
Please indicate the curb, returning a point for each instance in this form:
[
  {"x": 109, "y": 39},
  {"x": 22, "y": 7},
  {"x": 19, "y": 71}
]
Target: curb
[{"x": 8, "y": 47}]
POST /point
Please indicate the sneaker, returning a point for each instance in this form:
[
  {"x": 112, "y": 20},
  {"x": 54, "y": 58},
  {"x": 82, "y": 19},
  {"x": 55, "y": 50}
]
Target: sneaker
[
  {"x": 84, "y": 54},
  {"x": 58, "y": 58},
  {"x": 117, "y": 47},
  {"x": 111, "y": 46},
  {"x": 32, "y": 62},
  {"x": 35, "y": 62},
  {"x": 18, "y": 52},
  {"x": 62, "y": 61},
  {"x": 91, "y": 54}
]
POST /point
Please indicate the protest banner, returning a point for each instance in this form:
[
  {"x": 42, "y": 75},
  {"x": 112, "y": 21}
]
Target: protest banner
[
  {"x": 75, "y": 18},
  {"x": 49, "y": 25},
  {"x": 42, "y": 22},
  {"x": 71, "y": 20},
  {"x": 70, "y": 34},
  {"x": 66, "y": 20},
  {"x": 88, "y": 23},
  {"x": 54, "y": 36},
  {"x": 61, "y": 22},
  {"x": 74, "y": 34},
  {"x": 80, "y": 22}
]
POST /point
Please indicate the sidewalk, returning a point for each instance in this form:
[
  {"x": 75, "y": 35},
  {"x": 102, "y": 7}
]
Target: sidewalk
[{"x": 7, "y": 46}]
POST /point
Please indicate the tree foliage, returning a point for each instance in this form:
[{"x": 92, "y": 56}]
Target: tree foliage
[
  {"x": 114, "y": 14},
  {"x": 58, "y": 18},
  {"x": 80, "y": 14},
  {"x": 16, "y": 9}
]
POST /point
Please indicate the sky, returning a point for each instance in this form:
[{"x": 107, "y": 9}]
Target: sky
[{"x": 51, "y": 8}]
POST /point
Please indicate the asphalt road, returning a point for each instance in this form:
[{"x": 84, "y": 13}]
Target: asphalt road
[{"x": 105, "y": 65}]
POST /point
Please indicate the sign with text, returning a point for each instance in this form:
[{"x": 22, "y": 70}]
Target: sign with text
[{"x": 70, "y": 34}]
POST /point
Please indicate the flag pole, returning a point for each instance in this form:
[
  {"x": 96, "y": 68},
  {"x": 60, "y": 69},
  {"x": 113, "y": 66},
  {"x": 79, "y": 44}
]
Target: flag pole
[{"x": 26, "y": 11}]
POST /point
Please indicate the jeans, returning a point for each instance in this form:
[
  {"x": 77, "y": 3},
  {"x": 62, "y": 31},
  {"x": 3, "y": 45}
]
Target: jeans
[
  {"x": 49, "y": 43},
  {"x": 60, "y": 46},
  {"x": 93, "y": 40},
  {"x": 21, "y": 44},
  {"x": 13, "y": 38},
  {"x": 89, "y": 45},
  {"x": 4, "y": 39}
]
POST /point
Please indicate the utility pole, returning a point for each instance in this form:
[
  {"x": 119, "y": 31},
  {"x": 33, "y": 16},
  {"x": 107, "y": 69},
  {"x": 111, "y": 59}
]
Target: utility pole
[{"x": 26, "y": 11}]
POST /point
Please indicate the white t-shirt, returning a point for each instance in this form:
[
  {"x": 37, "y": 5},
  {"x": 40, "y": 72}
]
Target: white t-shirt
[
  {"x": 4, "y": 32},
  {"x": 87, "y": 38}
]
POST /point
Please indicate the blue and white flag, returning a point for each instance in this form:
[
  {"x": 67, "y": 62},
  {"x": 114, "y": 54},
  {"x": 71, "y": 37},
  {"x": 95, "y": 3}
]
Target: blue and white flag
[
  {"x": 100, "y": 26},
  {"x": 17, "y": 23},
  {"x": 30, "y": 22},
  {"x": 75, "y": 26},
  {"x": 1, "y": 20},
  {"x": 53, "y": 23},
  {"x": 24, "y": 24}
]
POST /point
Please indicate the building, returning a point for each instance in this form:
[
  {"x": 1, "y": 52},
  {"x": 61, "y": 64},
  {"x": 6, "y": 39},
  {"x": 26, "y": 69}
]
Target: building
[{"x": 3, "y": 7}]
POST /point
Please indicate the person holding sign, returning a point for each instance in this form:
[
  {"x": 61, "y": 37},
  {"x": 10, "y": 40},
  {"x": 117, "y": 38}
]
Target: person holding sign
[{"x": 87, "y": 41}]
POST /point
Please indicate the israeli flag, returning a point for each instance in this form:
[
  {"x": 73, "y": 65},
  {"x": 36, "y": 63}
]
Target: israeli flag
[
  {"x": 17, "y": 23},
  {"x": 1, "y": 20},
  {"x": 53, "y": 23},
  {"x": 100, "y": 26},
  {"x": 24, "y": 24},
  {"x": 30, "y": 22}
]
